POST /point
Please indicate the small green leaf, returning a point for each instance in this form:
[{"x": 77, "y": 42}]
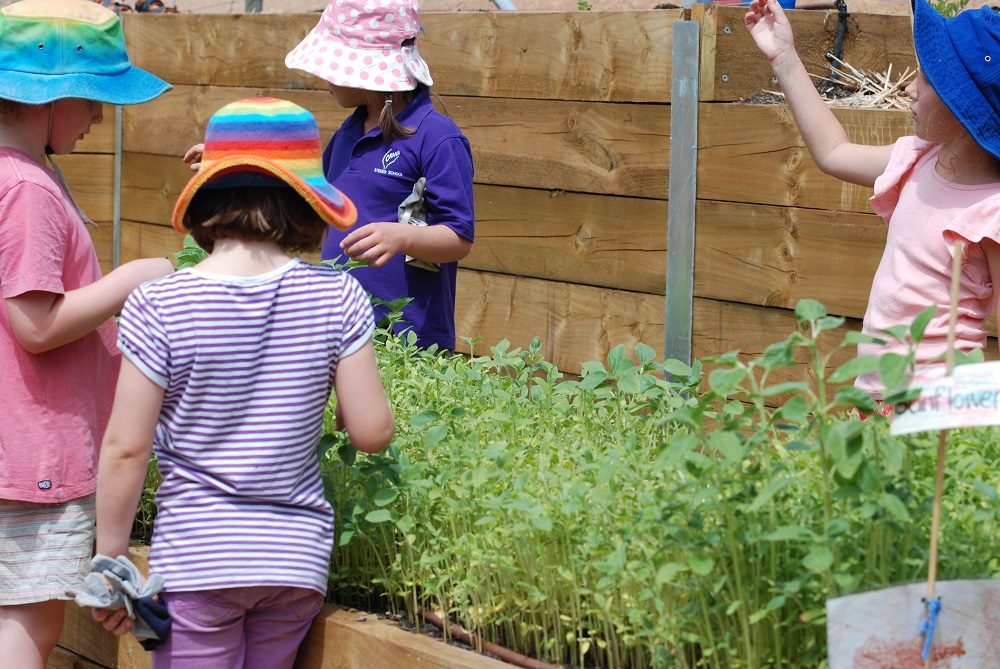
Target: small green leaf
[
  {"x": 894, "y": 507},
  {"x": 920, "y": 323},
  {"x": 809, "y": 310},
  {"x": 854, "y": 367},
  {"x": 892, "y": 369},
  {"x": 702, "y": 566},
  {"x": 819, "y": 560},
  {"x": 385, "y": 496},
  {"x": 770, "y": 490},
  {"x": 724, "y": 381},
  {"x": 379, "y": 516}
]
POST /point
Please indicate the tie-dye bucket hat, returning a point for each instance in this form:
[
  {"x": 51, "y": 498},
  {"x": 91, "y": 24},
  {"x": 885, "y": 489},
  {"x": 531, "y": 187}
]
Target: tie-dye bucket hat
[
  {"x": 266, "y": 142},
  {"x": 53, "y": 49},
  {"x": 365, "y": 44}
]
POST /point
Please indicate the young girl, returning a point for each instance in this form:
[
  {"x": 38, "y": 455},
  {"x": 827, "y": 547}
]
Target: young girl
[
  {"x": 368, "y": 54},
  {"x": 59, "y": 62},
  {"x": 228, "y": 367},
  {"x": 941, "y": 185}
]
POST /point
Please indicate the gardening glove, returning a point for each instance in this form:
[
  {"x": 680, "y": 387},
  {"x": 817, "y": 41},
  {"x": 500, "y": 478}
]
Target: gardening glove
[
  {"x": 125, "y": 589},
  {"x": 411, "y": 212},
  {"x": 99, "y": 596}
]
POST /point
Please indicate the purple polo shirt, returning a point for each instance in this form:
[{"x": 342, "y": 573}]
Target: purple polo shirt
[{"x": 378, "y": 177}]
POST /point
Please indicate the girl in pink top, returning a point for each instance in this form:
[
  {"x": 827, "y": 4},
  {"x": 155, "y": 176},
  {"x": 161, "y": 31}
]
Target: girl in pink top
[
  {"x": 935, "y": 187},
  {"x": 60, "y": 60}
]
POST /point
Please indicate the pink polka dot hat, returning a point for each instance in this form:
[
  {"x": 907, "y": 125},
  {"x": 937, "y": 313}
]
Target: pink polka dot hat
[{"x": 367, "y": 44}]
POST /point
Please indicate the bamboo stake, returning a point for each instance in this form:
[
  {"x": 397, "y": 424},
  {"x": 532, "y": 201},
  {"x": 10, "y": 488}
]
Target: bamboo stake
[{"x": 932, "y": 564}]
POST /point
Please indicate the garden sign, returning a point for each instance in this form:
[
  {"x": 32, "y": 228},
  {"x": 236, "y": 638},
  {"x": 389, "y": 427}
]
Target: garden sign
[{"x": 952, "y": 624}]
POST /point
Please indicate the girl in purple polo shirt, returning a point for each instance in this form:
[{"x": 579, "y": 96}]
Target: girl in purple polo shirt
[{"x": 368, "y": 54}]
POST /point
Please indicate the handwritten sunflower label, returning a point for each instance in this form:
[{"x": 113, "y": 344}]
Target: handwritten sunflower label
[{"x": 970, "y": 397}]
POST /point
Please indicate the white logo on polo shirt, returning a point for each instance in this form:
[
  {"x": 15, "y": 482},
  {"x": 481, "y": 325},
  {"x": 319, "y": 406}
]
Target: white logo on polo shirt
[{"x": 388, "y": 159}]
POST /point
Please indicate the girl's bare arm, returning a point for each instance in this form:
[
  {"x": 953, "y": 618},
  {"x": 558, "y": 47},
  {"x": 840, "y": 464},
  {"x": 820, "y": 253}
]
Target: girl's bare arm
[
  {"x": 42, "y": 321},
  {"x": 821, "y": 131},
  {"x": 361, "y": 401}
]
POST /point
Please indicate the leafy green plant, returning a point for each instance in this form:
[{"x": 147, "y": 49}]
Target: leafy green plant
[
  {"x": 650, "y": 514},
  {"x": 584, "y": 6},
  {"x": 626, "y": 520}
]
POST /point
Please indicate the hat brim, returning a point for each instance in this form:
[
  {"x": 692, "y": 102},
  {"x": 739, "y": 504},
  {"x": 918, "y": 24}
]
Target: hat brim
[
  {"x": 332, "y": 206},
  {"x": 126, "y": 88},
  {"x": 367, "y": 68},
  {"x": 939, "y": 58}
]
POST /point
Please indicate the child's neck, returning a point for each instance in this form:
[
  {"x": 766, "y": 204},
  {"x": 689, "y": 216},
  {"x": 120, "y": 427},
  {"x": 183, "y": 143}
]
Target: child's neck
[
  {"x": 242, "y": 258},
  {"x": 25, "y": 138},
  {"x": 964, "y": 162}
]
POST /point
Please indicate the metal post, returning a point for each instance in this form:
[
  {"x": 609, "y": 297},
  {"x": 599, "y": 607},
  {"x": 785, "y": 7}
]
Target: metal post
[{"x": 682, "y": 191}]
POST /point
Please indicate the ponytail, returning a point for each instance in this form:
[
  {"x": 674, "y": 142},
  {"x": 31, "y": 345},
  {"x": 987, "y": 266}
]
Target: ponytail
[{"x": 392, "y": 128}]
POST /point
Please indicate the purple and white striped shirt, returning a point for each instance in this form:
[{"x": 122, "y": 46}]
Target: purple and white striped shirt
[{"x": 247, "y": 364}]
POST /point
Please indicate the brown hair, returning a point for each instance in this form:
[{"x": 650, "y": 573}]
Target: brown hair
[
  {"x": 392, "y": 128},
  {"x": 10, "y": 109},
  {"x": 277, "y": 214}
]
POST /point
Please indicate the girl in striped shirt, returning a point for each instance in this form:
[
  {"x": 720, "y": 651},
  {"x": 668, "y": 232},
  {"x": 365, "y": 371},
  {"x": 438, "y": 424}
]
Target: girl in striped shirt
[{"x": 227, "y": 371}]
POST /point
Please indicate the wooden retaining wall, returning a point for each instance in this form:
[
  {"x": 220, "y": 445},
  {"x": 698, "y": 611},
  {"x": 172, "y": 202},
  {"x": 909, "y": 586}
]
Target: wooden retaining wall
[{"x": 569, "y": 119}]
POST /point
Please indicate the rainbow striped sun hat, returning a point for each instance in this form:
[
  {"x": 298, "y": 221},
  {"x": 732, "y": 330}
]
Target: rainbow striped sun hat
[
  {"x": 262, "y": 142},
  {"x": 53, "y": 49}
]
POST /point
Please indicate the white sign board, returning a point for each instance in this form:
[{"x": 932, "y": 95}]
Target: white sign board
[
  {"x": 970, "y": 397},
  {"x": 881, "y": 629}
]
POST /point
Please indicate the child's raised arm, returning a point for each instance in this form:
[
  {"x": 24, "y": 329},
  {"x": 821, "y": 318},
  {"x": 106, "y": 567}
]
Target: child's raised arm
[
  {"x": 42, "y": 321},
  {"x": 361, "y": 402},
  {"x": 823, "y": 134}
]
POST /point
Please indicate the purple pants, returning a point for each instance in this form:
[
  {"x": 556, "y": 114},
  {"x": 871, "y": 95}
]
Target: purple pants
[{"x": 237, "y": 628}]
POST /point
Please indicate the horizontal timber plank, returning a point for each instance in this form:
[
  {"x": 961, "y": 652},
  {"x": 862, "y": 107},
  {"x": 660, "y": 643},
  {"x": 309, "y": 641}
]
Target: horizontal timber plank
[
  {"x": 344, "y": 639},
  {"x": 733, "y": 68},
  {"x": 575, "y": 323},
  {"x": 612, "y": 242},
  {"x": 608, "y": 56},
  {"x": 775, "y": 256},
  {"x": 91, "y": 179},
  {"x": 145, "y": 240},
  {"x": 620, "y": 56},
  {"x": 173, "y": 122},
  {"x": 150, "y": 186},
  {"x": 621, "y": 149},
  {"x": 754, "y": 153}
]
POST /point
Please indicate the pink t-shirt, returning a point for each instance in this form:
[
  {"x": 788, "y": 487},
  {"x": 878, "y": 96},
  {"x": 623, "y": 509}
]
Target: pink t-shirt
[
  {"x": 55, "y": 405},
  {"x": 926, "y": 214}
]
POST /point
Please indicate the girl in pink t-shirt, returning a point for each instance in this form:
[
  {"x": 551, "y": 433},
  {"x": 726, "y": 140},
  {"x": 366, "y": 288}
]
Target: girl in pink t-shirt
[
  {"x": 58, "y": 361},
  {"x": 932, "y": 189}
]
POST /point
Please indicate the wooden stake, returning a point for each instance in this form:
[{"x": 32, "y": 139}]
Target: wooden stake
[{"x": 956, "y": 274}]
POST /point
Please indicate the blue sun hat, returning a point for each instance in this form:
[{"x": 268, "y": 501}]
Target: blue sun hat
[
  {"x": 53, "y": 49},
  {"x": 960, "y": 57}
]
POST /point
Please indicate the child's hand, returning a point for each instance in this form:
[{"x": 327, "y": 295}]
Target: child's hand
[
  {"x": 769, "y": 28},
  {"x": 117, "y": 622},
  {"x": 193, "y": 156},
  {"x": 375, "y": 243}
]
